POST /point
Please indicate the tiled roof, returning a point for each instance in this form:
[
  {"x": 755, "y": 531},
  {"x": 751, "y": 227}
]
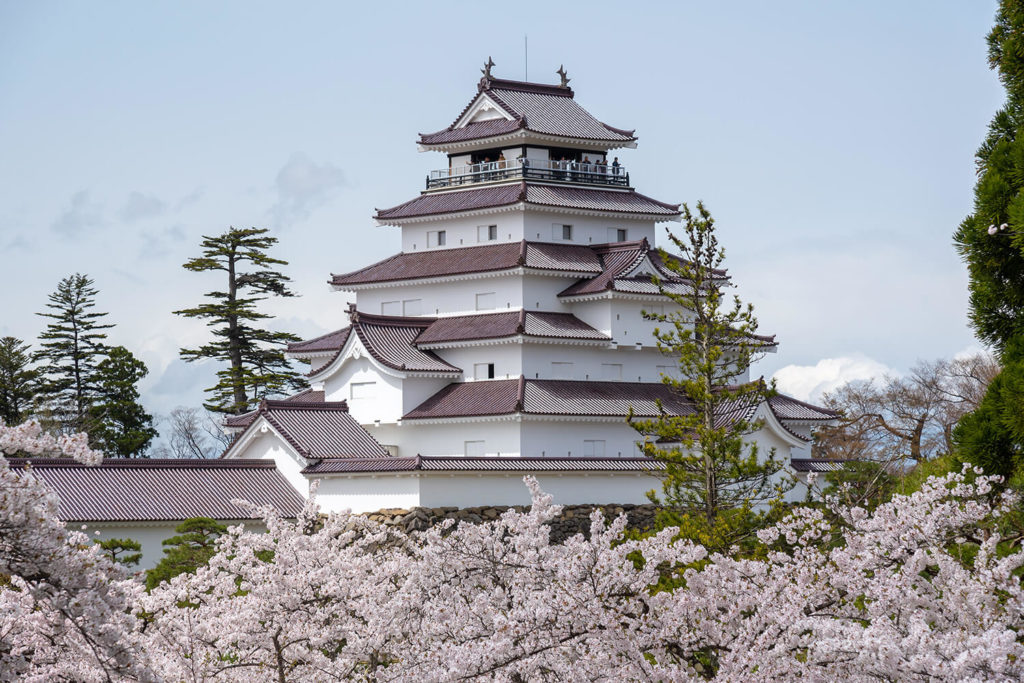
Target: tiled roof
[
  {"x": 816, "y": 465},
  {"x": 332, "y": 341},
  {"x": 414, "y": 265},
  {"x": 500, "y": 325},
  {"x": 587, "y": 199},
  {"x": 473, "y": 131},
  {"x": 319, "y": 430},
  {"x": 548, "y": 397},
  {"x": 152, "y": 490},
  {"x": 620, "y": 258},
  {"x": 498, "y": 464},
  {"x": 390, "y": 340},
  {"x": 789, "y": 408},
  {"x": 541, "y": 108},
  {"x": 307, "y": 395}
]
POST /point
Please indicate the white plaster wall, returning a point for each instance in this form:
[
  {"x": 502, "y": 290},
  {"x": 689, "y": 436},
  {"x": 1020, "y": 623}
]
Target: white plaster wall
[
  {"x": 413, "y": 438},
  {"x": 586, "y": 229},
  {"x": 507, "y": 359},
  {"x": 470, "y": 489},
  {"x": 416, "y": 390},
  {"x": 597, "y": 314},
  {"x": 150, "y": 535},
  {"x": 565, "y": 439},
  {"x": 385, "y": 405},
  {"x": 461, "y": 232},
  {"x": 447, "y": 298},
  {"x": 269, "y": 446},
  {"x": 540, "y": 292},
  {"x": 588, "y": 362},
  {"x": 368, "y": 493}
]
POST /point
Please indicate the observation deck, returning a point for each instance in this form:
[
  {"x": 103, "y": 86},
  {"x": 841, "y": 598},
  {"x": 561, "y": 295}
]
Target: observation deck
[{"x": 531, "y": 169}]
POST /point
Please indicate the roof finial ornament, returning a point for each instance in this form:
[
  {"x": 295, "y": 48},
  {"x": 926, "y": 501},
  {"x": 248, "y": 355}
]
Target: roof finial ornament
[
  {"x": 565, "y": 77},
  {"x": 486, "y": 71}
]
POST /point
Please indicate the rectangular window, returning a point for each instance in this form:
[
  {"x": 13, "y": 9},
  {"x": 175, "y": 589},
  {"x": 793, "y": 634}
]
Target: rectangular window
[
  {"x": 593, "y": 449},
  {"x": 391, "y": 308},
  {"x": 617, "y": 234},
  {"x": 561, "y": 370},
  {"x": 611, "y": 371},
  {"x": 483, "y": 370},
  {"x": 436, "y": 238},
  {"x": 362, "y": 390},
  {"x": 486, "y": 301},
  {"x": 474, "y": 449},
  {"x": 486, "y": 233},
  {"x": 667, "y": 370},
  {"x": 561, "y": 232},
  {"x": 412, "y": 306}
]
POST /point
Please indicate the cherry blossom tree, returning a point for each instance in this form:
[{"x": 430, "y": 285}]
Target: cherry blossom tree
[{"x": 64, "y": 611}]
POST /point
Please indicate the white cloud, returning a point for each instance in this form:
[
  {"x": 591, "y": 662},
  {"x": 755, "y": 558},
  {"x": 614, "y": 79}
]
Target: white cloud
[
  {"x": 140, "y": 206},
  {"x": 80, "y": 215},
  {"x": 303, "y": 185},
  {"x": 809, "y": 382}
]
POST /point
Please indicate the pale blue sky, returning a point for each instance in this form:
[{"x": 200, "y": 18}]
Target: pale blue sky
[{"x": 833, "y": 142}]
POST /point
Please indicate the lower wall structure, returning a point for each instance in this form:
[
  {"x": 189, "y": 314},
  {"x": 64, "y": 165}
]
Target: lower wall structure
[
  {"x": 365, "y": 492},
  {"x": 574, "y": 519},
  {"x": 150, "y": 535}
]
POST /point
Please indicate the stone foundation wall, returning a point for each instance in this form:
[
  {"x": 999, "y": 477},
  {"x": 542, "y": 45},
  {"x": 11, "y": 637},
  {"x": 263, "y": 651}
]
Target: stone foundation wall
[{"x": 574, "y": 519}]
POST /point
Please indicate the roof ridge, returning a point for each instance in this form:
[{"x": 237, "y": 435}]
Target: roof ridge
[
  {"x": 394, "y": 320},
  {"x": 326, "y": 406},
  {"x": 486, "y": 85},
  {"x": 146, "y": 463}
]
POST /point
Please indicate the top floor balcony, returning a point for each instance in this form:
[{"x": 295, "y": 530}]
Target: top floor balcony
[{"x": 531, "y": 169}]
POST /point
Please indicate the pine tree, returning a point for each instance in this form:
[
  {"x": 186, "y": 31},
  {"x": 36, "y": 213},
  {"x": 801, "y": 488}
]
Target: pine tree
[
  {"x": 711, "y": 467},
  {"x": 122, "y": 550},
  {"x": 117, "y": 423},
  {"x": 991, "y": 242},
  {"x": 257, "y": 366},
  {"x": 71, "y": 348},
  {"x": 18, "y": 381},
  {"x": 191, "y": 549}
]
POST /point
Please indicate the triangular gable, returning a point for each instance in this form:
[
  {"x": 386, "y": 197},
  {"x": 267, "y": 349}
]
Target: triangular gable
[{"x": 483, "y": 108}]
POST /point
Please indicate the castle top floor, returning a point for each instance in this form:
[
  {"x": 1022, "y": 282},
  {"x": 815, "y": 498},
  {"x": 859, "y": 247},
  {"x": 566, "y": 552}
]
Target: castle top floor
[{"x": 530, "y": 131}]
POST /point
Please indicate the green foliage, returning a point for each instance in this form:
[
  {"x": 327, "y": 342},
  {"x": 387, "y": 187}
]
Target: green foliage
[
  {"x": 992, "y": 437},
  {"x": 257, "y": 366},
  {"x": 18, "y": 382},
  {"x": 118, "y": 424},
  {"x": 123, "y": 550},
  {"x": 995, "y": 262},
  {"x": 191, "y": 549},
  {"x": 71, "y": 348},
  {"x": 710, "y": 465},
  {"x": 991, "y": 242}
]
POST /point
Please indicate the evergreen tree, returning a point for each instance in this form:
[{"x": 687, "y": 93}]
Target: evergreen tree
[
  {"x": 123, "y": 550},
  {"x": 191, "y": 549},
  {"x": 257, "y": 366},
  {"x": 71, "y": 348},
  {"x": 711, "y": 467},
  {"x": 18, "y": 382},
  {"x": 991, "y": 242},
  {"x": 118, "y": 425}
]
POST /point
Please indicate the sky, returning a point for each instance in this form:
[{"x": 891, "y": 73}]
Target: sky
[{"x": 833, "y": 142}]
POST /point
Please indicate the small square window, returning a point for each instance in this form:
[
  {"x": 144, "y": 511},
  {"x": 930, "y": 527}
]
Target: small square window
[
  {"x": 362, "y": 390},
  {"x": 412, "y": 307},
  {"x": 486, "y": 233},
  {"x": 437, "y": 238},
  {"x": 561, "y": 231},
  {"x": 611, "y": 371},
  {"x": 593, "y": 449},
  {"x": 617, "y": 234},
  {"x": 486, "y": 301},
  {"x": 391, "y": 308},
  {"x": 483, "y": 371}
]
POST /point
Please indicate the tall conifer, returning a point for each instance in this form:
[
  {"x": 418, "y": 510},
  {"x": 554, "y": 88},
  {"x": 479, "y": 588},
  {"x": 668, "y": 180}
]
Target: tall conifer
[
  {"x": 18, "y": 381},
  {"x": 711, "y": 466},
  {"x": 118, "y": 425},
  {"x": 71, "y": 348},
  {"x": 257, "y": 366},
  {"x": 991, "y": 242}
]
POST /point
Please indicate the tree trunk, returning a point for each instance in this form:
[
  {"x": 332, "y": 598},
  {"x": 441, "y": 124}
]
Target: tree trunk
[{"x": 234, "y": 345}]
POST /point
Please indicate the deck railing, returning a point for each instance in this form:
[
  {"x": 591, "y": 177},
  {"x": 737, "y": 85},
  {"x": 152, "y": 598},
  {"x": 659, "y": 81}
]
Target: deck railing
[{"x": 537, "y": 169}]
